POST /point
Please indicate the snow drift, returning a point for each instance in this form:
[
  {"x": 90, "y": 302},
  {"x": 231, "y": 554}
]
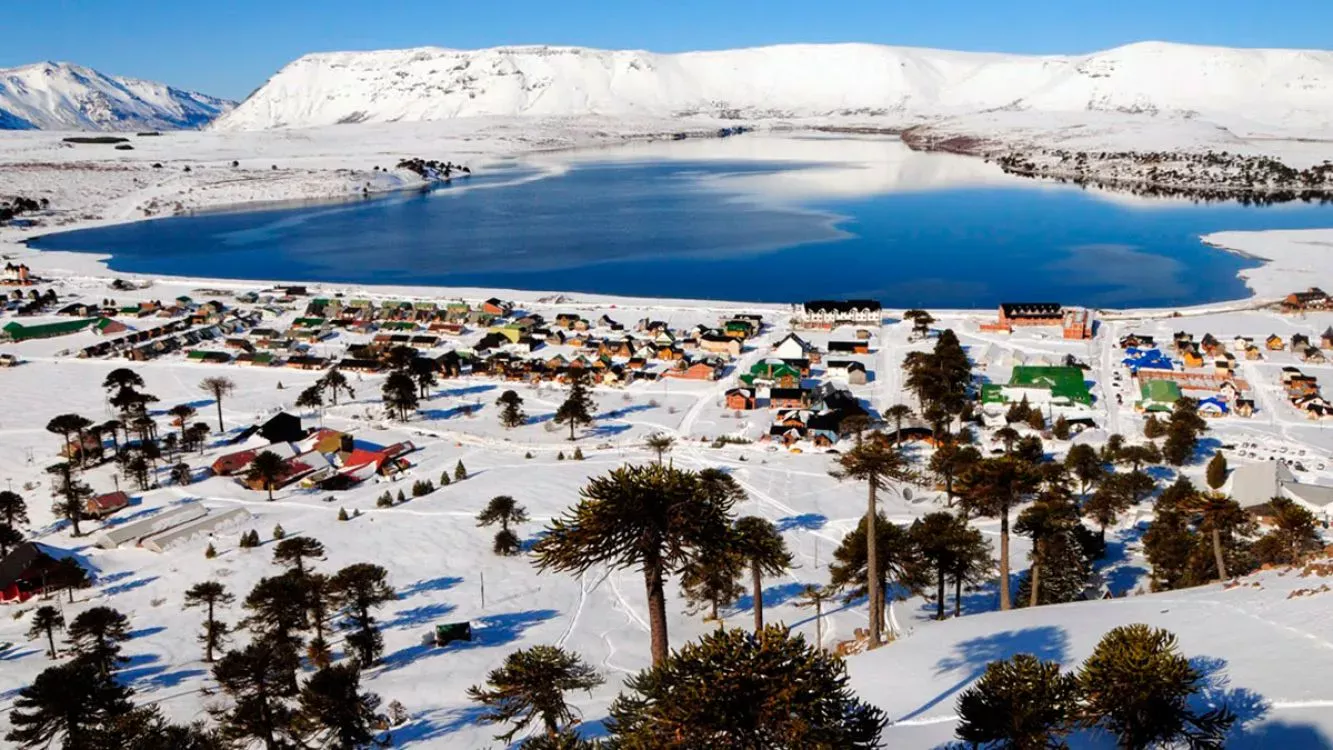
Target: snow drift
[
  {"x": 891, "y": 85},
  {"x": 63, "y": 96}
]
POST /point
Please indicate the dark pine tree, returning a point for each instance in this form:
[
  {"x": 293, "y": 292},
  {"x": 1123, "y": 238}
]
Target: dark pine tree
[
  {"x": 95, "y": 636},
  {"x": 256, "y": 678},
  {"x": 530, "y": 687},
  {"x": 761, "y": 547},
  {"x": 578, "y": 406},
  {"x": 209, "y": 595},
  {"x": 1022, "y": 703},
  {"x": 295, "y": 551},
  {"x": 739, "y": 689},
  {"x": 70, "y": 702},
  {"x": 356, "y": 590},
  {"x": 332, "y": 701}
]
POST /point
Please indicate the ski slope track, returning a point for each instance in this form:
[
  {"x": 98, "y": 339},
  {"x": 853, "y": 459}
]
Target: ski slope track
[
  {"x": 1250, "y": 91},
  {"x": 63, "y": 96}
]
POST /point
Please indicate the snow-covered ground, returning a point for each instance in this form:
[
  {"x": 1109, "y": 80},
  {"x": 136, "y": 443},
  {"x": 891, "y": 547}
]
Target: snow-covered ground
[{"x": 1273, "y": 645}]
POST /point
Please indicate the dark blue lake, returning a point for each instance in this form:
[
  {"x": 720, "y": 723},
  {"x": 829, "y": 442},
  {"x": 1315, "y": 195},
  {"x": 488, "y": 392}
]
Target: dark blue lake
[{"x": 909, "y": 229}]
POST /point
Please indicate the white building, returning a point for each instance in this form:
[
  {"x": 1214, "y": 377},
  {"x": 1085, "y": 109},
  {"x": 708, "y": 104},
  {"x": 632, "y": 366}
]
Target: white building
[{"x": 832, "y": 313}]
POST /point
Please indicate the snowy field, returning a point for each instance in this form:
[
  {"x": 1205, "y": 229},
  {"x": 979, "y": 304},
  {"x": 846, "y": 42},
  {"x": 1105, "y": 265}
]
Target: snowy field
[{"x": 1268, "y": 651}]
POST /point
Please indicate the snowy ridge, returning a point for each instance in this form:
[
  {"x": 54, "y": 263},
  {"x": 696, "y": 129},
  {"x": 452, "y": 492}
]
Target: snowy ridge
[
  {"x": 894, "y": 86},
  {"x": 63, "y": 96}
]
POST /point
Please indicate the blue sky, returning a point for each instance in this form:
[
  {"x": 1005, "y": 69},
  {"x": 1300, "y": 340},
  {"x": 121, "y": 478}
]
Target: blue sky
[{"x": 229, "y": 47}]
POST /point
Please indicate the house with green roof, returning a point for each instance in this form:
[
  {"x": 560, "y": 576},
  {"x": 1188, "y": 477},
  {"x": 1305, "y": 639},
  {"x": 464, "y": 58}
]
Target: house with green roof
[
  {"x": 1158, "y": 395},
  {"x": 15, "y": 331},
  {"x": 1060, "y": 386}
]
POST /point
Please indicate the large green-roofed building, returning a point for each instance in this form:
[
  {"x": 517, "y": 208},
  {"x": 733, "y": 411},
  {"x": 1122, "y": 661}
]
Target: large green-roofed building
[
  {"x": 18, "y": 332},
  {"x": 1040, "y": 385},
  {"x": 1158, "y": 395}
]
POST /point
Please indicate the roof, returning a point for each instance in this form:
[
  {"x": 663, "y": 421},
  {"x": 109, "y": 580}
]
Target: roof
[
  {"x": 111, "y": 500},
  {"x": 1253, "y": 485},
  {"x": 21, "y": 558},
  {"x": 1030, "y": 309},
  {"x": 1064, "y": 382},
  {"x": 846, "y": 305},
  {"x": 1160, "y": 391}
]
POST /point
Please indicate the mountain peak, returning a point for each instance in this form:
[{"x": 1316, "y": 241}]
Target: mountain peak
[{"x": 57, "y": 95}]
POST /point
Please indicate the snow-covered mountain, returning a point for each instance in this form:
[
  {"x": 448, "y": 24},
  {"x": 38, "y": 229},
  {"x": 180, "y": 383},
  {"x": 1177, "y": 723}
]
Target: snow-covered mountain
[
  {"x": 894, "y": 85},
  {"x": 63, "y": 96}
]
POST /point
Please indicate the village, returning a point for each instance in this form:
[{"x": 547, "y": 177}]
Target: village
[{"x": 268, "y": 406}]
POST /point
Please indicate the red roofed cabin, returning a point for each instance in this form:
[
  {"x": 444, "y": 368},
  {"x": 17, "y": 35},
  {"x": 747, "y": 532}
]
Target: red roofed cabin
[
  {"x": 741, "y": 399},
  {"x": 31, "y": 567},
  {"x": 104, "y": 505},
  {"x": 233, "y": 463}
]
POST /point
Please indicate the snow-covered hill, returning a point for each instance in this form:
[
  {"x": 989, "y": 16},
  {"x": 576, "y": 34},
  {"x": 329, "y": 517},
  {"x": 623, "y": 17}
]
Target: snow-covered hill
[
  {"x": 63, "y": 96},
  {"x": 893, "y": 86}
]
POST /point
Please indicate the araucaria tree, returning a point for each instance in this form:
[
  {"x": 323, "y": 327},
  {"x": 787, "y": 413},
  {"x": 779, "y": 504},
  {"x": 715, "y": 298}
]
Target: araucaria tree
[
  {"x": 356, "y": 590},
  {"x": 257, "y": 680},
  {"x": 71, "y": 493},
  {"x": 294, "y": 551},
  {"x": 71, "y": 701},
  {"x": 874, "y": 463},
  {"x": 578, "y": 406},
  {"x": 942, "y": 541},
  {"x": 761, "y": 547},
  {"x": 531, "y": 687},
  {"x": 653, "y": 518},
  {"x": 1137, "y": 685},
  {"x": 45, "y": 621},
  {"x": 737, "y": 689},
  {"x": 267, "y": 468},
  {"x": 1294, "y": 535},
  {"x": 1022, "y": 703},
  {"x": 13, "y": 510},
  {"x": 899, "y": 562},
  {"x": 278, "y": 612},
  {"x": 511, "y": 409},
  {"x": 209, "y": 595},
  {"x": 95, "y": 636},
  {"x": 1182, "y": 432},
  {"x": 993, "y": 487},
  {"x": 65, "y": 425},
  {"x": 503, "y": 510},
  {"x": 335, "y": 382},
  {"x": 400, "y": 394},
  {"x": 332, "y": 700},
  {"x": 219, "y": 388}
]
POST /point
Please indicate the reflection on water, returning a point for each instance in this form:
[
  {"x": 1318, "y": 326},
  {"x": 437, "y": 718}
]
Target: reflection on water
[{"x": 763, "y": 218}]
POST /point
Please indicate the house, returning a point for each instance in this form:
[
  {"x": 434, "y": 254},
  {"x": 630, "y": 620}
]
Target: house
[
  {"x": 1192, "y": 358},
  {"x": 1244, "y": 407},
  {"x": 1326, "y": 338},
  {"x": 848, "y": 347},
  {"x": 1210, "y": 345},
  {"x": 1274, "y": 343},
  {"x": 848, "y": 371},
  {"x": 1253, "y": 353},
  {"x": 1309, "y": 354},
  {"x": 497, "y": 307},
  {"x": 1253, "y": 486},
  {"x": 1313, "y": 298},
  {"x": 282, "y": 428},
  {"x": 102, "y": 506},
  {"x": 698, "y": 370},
  {"x": 741, "y": 399},
  {"x": 1314, "y": 406},
  {"x": 30, "y": 568},
  {"x": 1074, "y": 323},
  {"x": 792, "y": 347},
  {"x": 1136, "y": 341},
  {"x": 827, "y": 314},
  {"x": 788, "y": 398},
  {"x": 773, "y": 371},
  {"x": 1299, "y": 341},
  {"x": 1213, "y": 407},
  {"x": 720, "y": 344}
]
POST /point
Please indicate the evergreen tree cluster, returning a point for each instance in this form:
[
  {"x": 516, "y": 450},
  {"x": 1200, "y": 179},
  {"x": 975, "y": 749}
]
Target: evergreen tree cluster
[
  {"x": 1195, "y": 538},
  {"x": 1136, "y": 686}
]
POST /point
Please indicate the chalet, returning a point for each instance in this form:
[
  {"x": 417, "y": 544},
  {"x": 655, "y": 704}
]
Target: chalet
[
  {"x": 79, "y": 310},
  {"x": 720, "y": 344},
  {"x": 848, "y": 371},
  {"x": 1326, "y": 338},
  {"x": 1253, "y": 353},
  {"x": 1136, "y": 341},
  {"x": 30, "y": 568},
  {"x": 566, "y": 320},
  {"x": 492, "y": 340},
  {"x": 1244, "y": 407},
  {"x": 208, "y": 357},
  {"x": 1225, "y": 364},
  {"x": 848, "y": 347},
  {"x": 1183, "y": 341},
  {"x": 497, "y": 307},
  {"x": 1309, "y": 354},
  {"x": 359, "y": 364},
  {"x": 1314, "y": 406},
  {"x": 1313, "y": 298},
  {"x": 1274, "y": 343},
  {"x": 774, "y": 371},
  {"x": 607, "y": 322},
  {"x": 788, "y": 398},
  {"x": 1299, "y": 341},
  {"x": 16, "y": 275},
  {"x": 800, "y": 365},
  {"x": 306, "y": 362},
  {"x": 282, "y": 428},
  {"x": 294, "y": 469},
  {"x": 741, "y": 399},
  {"x": 1192, "y": 358},
  {"x": 739, "y": 329},
  {"x": 668, "y": 353},
  {"x": 102, "y": 506},
  {"x": 792, "y": 346},
  {"x": 827, "y": 314},
  {"x": 1210, "y": 345},
  {"x": 698, "y": 370}
]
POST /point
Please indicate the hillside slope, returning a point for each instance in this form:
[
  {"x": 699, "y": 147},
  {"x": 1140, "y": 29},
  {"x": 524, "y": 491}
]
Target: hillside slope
[
  {"x": 892, "y": 86},
  {"x": 63, "y": 96},
  {"x": 1264, "y": 647}
]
